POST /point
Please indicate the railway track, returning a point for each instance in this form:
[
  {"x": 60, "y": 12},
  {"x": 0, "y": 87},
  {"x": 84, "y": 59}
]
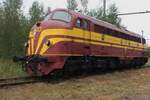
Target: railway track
[
  {"x": 19, "y": 81},
  {"x": 28, "y": 80}
]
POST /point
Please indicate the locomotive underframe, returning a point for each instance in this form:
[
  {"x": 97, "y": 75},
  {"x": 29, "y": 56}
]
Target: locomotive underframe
[{"x": 35, "y": 64}]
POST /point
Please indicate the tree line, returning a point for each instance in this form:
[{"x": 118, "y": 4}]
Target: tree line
[
  {"x": 15, "y": 25},
  {"x": 111, "y": 15}
]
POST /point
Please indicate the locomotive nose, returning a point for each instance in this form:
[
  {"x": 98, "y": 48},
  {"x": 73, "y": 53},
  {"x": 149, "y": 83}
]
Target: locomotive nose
[{"x": 33, "y": 39}]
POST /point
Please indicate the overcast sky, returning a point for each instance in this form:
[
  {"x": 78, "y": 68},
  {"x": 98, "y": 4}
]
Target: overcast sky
[{"x": 135, "y": 23}]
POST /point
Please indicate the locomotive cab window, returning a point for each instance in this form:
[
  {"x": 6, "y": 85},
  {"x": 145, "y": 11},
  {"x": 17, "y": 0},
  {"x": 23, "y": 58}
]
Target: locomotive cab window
[
  {"x": 78, "y": 23},
  {"x": 60, "y": 16},
  {"x": 85, "y": 25},
  {"x": 81, "y": 23}
]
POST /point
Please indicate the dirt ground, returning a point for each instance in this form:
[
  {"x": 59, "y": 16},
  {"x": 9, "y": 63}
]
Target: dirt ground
[{"x": 131, "y": 84}]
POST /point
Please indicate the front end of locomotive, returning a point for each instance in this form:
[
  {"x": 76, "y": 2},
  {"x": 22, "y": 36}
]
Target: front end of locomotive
[{"x": 45, "y": 48}]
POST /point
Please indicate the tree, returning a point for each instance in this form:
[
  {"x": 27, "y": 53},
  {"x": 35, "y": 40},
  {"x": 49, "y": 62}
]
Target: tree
[
  {"x": 36, "y": 13},
  {"x": 84, "y": 4},
  {"x": 12, "y": 28},
  {"x": 1, "y": 26},
  {"x": 15, "y": 26},
  {"x": 97, "y": 13},
  {"x": 72, "y": 4},
  {"x": 1, "y": 18},
  {"x": 111, "y": 15}
]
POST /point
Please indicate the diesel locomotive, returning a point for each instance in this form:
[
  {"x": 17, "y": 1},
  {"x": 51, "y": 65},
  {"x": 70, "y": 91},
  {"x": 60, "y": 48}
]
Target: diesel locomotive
[{"x": 68, "y": 38}]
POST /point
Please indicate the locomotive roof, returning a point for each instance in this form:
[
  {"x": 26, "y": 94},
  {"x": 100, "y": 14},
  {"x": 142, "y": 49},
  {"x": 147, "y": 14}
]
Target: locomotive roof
[{"x": 102, "y": 23}]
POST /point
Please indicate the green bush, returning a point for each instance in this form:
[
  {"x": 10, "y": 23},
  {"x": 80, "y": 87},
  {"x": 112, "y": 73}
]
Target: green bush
[{"x": 9, "y": 69}]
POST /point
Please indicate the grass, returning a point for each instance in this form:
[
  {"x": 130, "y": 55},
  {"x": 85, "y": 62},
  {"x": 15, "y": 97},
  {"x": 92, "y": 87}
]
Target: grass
[
  {"x": 9, "y": 69},
  {"x": 130, "y": 84}
]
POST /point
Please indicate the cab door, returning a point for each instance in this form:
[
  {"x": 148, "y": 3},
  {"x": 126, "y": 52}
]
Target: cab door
[
  {"x": 87, "y": 37},
  {"x": 82, "y": 44}
]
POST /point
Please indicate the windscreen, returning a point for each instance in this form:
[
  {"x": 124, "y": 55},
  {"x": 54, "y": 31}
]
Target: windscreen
[{"x": 59, "y": 15}]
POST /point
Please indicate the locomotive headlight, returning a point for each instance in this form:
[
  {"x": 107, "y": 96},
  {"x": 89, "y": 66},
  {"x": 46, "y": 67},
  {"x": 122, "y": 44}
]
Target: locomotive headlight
[
  {"x": 26, "y": 44},
  {"x": 35, "y": 33},
  {"x": 48, "y": 43}
]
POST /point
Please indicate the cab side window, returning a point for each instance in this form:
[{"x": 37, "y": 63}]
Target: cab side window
[
  {"x": 78, "y": 23},
  {"x": 81, "y": 23},
  {"x": 85, "y": 25}
]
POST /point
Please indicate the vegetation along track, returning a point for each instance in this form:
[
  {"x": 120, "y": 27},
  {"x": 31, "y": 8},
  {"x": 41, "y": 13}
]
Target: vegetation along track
[
  {"x": 28, "y": 80},
  {"x": 19, "y": 81}
]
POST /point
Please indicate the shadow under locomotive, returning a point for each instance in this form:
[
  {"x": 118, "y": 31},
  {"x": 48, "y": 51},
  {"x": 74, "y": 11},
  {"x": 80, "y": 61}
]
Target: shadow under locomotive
[{"x": 86, "y": 72}]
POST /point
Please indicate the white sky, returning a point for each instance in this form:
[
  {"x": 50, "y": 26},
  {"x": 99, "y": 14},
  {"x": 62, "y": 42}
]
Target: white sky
[{"x": 134, "y": 23}]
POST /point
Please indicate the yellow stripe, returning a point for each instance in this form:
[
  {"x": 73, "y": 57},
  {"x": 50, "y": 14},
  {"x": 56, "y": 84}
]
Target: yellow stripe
[
  {"x": 28, "y": 49},
  {"x": 57, "y": 40},
  {"x": 32, "y": 46},
  {"x": 86, "y": 35}
]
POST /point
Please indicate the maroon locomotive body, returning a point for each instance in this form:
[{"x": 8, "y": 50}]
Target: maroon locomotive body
[{"x": 69, "y": 38}]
